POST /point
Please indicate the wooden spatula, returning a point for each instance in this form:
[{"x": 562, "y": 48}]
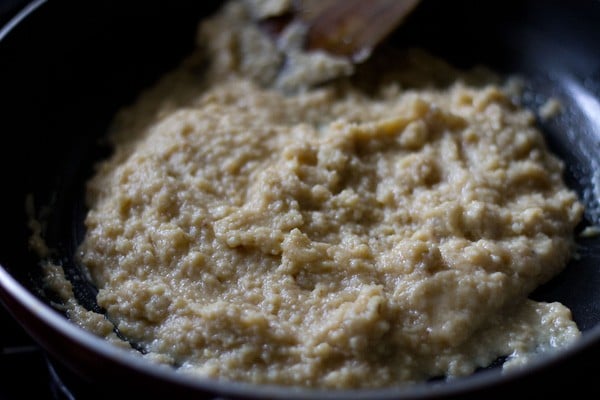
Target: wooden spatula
[{"x": 351, "y": 28}]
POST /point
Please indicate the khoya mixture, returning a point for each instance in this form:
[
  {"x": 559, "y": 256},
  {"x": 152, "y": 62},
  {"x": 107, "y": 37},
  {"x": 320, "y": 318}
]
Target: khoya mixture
[{"x": 258, "y": 224}]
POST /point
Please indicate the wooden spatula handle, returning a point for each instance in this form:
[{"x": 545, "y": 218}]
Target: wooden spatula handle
[{"x": 351, "y": 27}]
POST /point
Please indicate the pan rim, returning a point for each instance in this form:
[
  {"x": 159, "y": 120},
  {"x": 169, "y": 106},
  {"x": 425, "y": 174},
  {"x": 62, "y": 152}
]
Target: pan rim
[{"x": 11, "y": 289}]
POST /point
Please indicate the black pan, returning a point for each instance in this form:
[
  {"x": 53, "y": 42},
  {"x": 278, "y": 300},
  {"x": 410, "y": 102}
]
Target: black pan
[{"x": 67, "y": 66}]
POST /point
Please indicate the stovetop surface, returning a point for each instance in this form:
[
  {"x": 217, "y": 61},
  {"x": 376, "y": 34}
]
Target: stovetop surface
[{"x": 24, "y": 368}]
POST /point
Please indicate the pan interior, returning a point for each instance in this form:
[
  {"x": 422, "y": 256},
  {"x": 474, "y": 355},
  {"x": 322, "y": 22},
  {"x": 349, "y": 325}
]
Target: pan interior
[{"x": 60, "y": 97}]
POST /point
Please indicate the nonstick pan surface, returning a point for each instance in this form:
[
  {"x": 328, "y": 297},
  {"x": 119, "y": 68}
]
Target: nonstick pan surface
[{"x": 66, "y": 68}]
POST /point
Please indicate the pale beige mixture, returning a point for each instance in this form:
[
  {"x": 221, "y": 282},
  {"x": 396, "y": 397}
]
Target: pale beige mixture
[{"x": 354, "y": 235}]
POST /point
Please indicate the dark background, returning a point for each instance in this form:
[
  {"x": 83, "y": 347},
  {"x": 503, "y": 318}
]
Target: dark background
[
  {"x": 23, "y": 372},
  {"x": 23, "y": 368}
]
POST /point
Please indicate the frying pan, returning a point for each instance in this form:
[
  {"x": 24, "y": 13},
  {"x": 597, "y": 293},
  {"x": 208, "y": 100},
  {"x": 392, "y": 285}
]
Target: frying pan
[{"x": 66, "y": 67}]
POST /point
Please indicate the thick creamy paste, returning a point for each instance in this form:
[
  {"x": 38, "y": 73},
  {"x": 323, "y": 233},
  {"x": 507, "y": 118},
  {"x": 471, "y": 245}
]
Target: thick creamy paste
[{"x": 352, "y": 235}]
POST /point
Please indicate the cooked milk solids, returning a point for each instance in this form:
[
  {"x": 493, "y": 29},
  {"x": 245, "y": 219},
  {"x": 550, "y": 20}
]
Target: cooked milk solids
[{"x": 260, "y": 221}]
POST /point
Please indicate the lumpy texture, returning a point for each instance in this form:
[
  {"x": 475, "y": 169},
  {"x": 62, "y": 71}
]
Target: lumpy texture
[{"x": 359, "y": 234}]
